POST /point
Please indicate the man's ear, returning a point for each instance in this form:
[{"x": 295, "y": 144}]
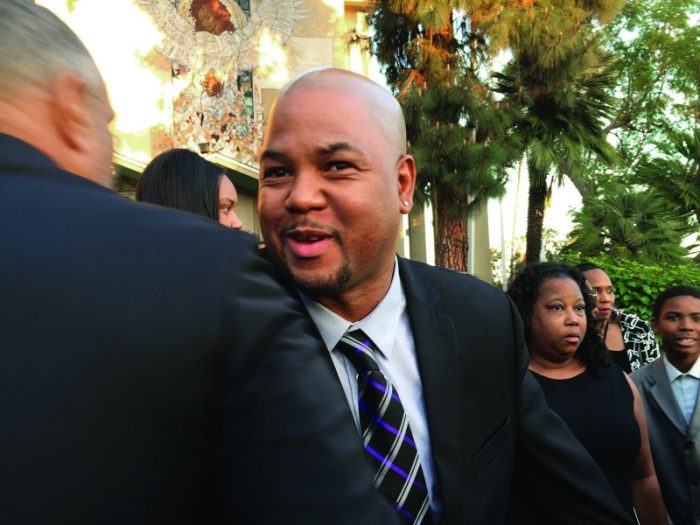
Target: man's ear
[
  {"x": 655, "y": 326},
  {"x": 406, "y": 170},
  {"x": 70, "y": 111}
]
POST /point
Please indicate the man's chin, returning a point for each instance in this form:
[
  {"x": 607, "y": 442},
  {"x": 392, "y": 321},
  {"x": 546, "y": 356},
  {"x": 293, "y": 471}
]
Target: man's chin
[
  {"x": 321, "y": 284},
  {"x": 313, "y": 280}
]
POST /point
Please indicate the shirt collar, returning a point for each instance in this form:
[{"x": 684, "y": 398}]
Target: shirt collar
[
  {"x": 674, "y": 373},
  {"x": 380, "y": 324}
]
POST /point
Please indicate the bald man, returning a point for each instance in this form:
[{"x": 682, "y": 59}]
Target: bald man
[
  {"x": 152, "y": 369},
  {"x": 445, "y": 350}
]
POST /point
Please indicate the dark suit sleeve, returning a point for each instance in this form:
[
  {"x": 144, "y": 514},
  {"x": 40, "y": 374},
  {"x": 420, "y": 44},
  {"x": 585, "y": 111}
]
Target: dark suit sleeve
[
  {"x": 553, "y": 471},
  {"x": 290, "y": 452}
]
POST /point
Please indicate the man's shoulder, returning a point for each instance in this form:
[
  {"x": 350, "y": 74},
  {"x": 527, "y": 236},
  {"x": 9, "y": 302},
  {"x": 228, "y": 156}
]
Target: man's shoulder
[
  {"x": 447, "y": 283},
  {"x": 444, "y": 277},
  {"x": 643, "y": 377},
  {"x": 94, "y": 218},
  {"x": 219, "y": 252}
]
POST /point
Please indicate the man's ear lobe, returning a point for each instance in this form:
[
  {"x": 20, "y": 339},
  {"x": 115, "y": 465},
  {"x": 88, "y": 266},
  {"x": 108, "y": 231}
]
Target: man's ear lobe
[
  {"x": 70, "y": 111},
  {"x": 407, "y": 182}
]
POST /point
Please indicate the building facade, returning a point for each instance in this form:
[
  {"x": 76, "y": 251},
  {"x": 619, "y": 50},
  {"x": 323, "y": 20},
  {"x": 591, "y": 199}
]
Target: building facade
[{"x": 204, "y": 74}]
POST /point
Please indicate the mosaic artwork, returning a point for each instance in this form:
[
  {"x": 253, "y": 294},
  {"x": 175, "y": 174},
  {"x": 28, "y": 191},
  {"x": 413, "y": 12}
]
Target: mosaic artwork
[{"x": 214, "y": 50}]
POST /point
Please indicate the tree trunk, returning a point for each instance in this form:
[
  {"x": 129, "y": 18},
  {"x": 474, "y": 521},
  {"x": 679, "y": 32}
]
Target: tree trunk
[
  {"x": 451, "y": 240},
  {"x": 536, "y": 198},
  {"x": 584, "y": 189}
]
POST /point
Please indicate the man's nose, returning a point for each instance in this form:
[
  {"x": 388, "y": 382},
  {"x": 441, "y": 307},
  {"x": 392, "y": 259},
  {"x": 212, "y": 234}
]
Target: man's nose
[
  {"x": 686, "y": 323},
  {"x": 306, "y": 192}
]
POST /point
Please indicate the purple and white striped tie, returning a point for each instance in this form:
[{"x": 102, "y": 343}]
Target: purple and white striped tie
[{"x": 386, "y": 435}]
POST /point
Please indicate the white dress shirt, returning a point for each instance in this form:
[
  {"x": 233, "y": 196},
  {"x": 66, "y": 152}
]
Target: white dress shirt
[
  {"x": 684, "y": 386},
  {"x": 389, "y": 328}
]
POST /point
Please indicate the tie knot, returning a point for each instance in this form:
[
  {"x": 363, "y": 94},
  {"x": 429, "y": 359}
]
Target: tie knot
[{"x": 359, "y": 349}]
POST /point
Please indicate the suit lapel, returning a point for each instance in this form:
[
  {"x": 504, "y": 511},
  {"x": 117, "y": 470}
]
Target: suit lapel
[
  {"x": 660, "y": 390},
  {"x": 436, "y": 350},
  {"x": 694, "y": 428}
]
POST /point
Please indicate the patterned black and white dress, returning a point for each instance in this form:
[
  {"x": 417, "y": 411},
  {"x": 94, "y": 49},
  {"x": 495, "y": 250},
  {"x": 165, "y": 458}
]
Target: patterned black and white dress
[{"x": 641, "y": 347}]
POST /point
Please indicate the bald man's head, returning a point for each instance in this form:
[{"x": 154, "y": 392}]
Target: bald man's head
[
  {"x": 334, "y": 181},
  {"x": 369, "y": 96}
]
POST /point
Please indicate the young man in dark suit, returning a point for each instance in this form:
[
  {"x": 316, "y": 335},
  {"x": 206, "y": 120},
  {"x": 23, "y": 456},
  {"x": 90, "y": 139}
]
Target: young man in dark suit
[
  {"x": 152, "y": 368},
  {"x": 669, "y": 388},
  {"x": 432, "y": 362}
]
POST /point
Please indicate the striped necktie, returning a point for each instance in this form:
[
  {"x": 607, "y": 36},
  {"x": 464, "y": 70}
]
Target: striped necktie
[{"x": 386, "y": 435}]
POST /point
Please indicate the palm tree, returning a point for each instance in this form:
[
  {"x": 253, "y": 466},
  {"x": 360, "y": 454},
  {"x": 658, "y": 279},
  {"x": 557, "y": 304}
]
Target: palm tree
[
  {"x": 438, "y": 55},
  {"x": 432, "y": 54},
  {"x": 675, "y": 173},
  {"x": 629, "y": 224},
  {"x": 564, "y": 113}
]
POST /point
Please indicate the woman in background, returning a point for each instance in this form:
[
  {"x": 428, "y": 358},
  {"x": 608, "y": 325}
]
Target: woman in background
[
  {"x": 182, "y": 179},
  {"x": 599, "y": 403},
  {"x": 630, "y": 339}
]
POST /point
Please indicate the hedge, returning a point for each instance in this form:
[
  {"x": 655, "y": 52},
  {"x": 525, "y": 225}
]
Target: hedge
[{"x": 637, "y": 285}]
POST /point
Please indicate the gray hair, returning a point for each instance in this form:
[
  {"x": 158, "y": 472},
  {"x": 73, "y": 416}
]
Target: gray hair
[{"x": 35, "y": 46}]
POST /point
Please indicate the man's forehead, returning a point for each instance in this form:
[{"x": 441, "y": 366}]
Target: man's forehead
[
  {"x": 680, "y": 301},
  {"x": 348, "y": 93},
  {"x": 355, "y": 89},
  {"x": 333, "y": 114},
  {"x": 318, "y": 93},
  {"x": 335, "y": 79}
]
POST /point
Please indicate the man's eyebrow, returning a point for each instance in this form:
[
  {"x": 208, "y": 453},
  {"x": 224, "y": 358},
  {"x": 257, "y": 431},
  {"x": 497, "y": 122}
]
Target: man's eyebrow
[
  {"x": 322, "y": 151},
  {"x": 273, "y": 154},
  {"x": 674, "y": 312},
  {"x": 223, "y": 199},
  {"x": 337, "y": 146},
  {"x": 680, "y": 313}
]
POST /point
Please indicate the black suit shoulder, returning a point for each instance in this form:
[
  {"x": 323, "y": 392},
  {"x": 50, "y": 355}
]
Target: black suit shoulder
[
  {"x": 155, "y": 371},
  {"x": 451, "y": 289}
]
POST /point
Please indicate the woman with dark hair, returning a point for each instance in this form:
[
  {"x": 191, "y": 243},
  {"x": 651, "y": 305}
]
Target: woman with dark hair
[
  {"x": 629, "y": 338},
  {"x": 182, "y": 179},
  {"x": 599, "y": 403}
]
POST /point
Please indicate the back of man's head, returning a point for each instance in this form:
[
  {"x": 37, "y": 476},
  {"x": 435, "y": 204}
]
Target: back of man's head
[
  {"x": 35, "y": 45},
  {"x": 51, "y": 93}
]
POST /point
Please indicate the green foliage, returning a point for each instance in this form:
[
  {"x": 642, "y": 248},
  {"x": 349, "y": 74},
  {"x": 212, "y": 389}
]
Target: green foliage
[
  {"x": 456, "y": 131},
  {"x": 438, "y": 55},
  {"x": 629, "y": 224},
  {"x": 641, "y": 205},
  {"x": 657, "y": 45},
  {"x": 607, "y": 101},
  {"x": 675, "y": 171},
  {"x": 638, "y": 284},
  {"x": 435, "y": 55},
  {"x": 565, "y": 103}
]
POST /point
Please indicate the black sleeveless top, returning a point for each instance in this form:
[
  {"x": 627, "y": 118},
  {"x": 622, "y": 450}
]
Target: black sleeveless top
[
  {"x": 621, "y": 359},
  {"x": 600, "y": 413}
]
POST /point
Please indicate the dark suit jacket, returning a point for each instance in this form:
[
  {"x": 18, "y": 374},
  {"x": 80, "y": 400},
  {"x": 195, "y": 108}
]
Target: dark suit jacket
[
  {"x": 487, "y": 416},
  {"x": 675, "y": 445},
  {"x": 152, "y": 371}
]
